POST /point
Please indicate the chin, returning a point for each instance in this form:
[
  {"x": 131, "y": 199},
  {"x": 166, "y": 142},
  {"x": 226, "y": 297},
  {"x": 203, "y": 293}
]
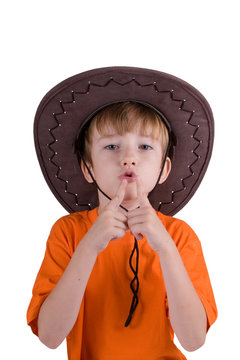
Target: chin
[{"x": 130, "y": 204}]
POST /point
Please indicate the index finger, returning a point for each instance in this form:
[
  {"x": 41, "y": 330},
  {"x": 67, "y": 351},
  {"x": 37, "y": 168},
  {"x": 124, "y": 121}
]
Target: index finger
[
  {"x": 144, "y": 201},
  {"x": 119, "y": 196}
]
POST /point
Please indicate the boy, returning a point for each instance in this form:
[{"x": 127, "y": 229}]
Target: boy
[{"x": 82, "y": 289}]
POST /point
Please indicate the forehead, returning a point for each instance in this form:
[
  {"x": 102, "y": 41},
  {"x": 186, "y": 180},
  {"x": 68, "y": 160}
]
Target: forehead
[{"x": 109, "y": 131}]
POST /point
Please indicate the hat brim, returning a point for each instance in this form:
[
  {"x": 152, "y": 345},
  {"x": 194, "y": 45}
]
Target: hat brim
[{"x": 66, "y": 107}]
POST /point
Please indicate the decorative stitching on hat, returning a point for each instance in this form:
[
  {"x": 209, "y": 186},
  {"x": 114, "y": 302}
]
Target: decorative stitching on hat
[
  {"x": 189, "y": 166},
  {"x": 111, "y": 79},
  {"x": 55, "y": 153}
]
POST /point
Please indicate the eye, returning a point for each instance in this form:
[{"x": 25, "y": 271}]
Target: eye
[
  {"x": 111, "y": 147},
  {"x": 144, "y": 147}
]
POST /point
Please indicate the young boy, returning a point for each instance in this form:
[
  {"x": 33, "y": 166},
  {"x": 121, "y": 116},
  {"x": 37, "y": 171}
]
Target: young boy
[{"x": 82, "y": 289}]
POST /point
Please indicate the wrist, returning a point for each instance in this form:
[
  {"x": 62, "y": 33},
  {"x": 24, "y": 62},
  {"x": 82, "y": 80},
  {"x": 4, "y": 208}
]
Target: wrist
[
  {"x": 88, "y": 245},
  {"x": 166, "y": 245}
]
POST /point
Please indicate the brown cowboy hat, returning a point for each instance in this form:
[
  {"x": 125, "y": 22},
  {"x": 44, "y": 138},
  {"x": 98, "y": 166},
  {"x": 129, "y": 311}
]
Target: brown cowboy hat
[{"x": 65, "y": 110}]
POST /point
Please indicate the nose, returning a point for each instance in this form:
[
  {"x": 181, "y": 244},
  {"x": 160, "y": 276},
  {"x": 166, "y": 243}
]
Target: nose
[
  {"x": 129, "y": 160},
  {"x": 128, "y": 163}
]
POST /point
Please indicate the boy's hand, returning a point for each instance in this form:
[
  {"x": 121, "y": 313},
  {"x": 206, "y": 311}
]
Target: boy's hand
[
  {"x": 144, "y": 220},
  {"x": 111, "y": 223}
]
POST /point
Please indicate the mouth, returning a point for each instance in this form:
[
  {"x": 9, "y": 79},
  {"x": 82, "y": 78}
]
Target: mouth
[{"x": 130, "y": 176}]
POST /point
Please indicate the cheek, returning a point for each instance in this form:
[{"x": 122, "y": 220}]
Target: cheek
[
  {"x": 104, "y": 172},
  {"x": 151, "y": 176},
  {"x": 103, "y": 157}
]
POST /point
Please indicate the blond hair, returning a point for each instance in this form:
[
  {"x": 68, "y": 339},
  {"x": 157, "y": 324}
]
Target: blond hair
[{"x": 118, "y": 117}]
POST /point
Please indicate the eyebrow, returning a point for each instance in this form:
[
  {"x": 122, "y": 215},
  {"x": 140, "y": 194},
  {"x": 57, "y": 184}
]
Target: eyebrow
[
  {"x": 107, "y": 137},
  {"x": 116, "y": 135}
]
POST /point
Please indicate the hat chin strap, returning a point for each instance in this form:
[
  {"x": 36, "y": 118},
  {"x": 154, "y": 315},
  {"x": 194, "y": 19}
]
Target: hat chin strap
[{"x": 135, "y": 248}]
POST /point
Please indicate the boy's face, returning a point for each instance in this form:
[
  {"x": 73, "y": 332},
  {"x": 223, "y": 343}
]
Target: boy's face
[{"x": 113, "y": 155}]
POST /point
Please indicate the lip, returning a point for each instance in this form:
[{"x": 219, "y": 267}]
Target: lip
[{"x": 126, "y": 176}]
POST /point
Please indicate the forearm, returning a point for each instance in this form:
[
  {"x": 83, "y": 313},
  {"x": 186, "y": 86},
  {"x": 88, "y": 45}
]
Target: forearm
[
  {"x": 186, "y": 312},
  {"x": 60, "y": 309}
]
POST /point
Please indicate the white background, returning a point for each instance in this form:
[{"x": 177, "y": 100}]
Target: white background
[{"x": 44, "y": 42}]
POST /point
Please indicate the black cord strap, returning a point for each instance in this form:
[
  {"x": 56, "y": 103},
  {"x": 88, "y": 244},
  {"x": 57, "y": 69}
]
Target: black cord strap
[
  {"x": 134, "y": 289},
  {"x": 135, "y": 279}
]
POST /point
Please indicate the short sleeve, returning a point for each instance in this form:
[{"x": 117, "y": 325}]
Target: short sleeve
[
  {"x": 57, "y": 256},
  {"x": 190, "y": 250}
]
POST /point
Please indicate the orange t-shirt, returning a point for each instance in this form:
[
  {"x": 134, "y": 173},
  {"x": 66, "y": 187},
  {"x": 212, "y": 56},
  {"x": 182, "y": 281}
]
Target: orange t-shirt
[{"x": 99, "y": 332}]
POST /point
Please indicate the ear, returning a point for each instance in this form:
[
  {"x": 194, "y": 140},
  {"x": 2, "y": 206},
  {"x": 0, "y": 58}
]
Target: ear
[
  {"x": 86, "y": 173},
  {"x": 166, "y": 170}
]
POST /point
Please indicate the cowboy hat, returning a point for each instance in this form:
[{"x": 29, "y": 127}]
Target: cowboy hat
[{"x": 69, "y": 106}]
